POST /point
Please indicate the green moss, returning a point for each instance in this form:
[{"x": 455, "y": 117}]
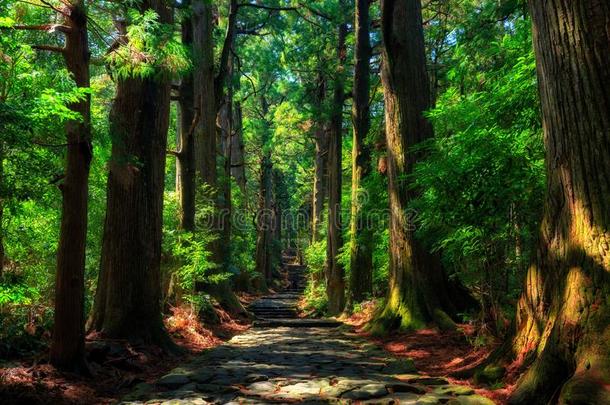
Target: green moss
[{"x": 490, "y": 374}]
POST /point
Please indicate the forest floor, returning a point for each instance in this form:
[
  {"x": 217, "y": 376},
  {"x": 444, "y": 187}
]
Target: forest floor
[
  {"x": 435, "y": 353},
  {"x": 285, "y": 359},
  {"x": 116, "y": 366}
]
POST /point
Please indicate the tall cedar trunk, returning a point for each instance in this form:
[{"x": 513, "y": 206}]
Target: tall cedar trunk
[
  {"x": 279, "y": 198},
  {"x": 335, "y": 283},
  {"x": 185, "y": 163},
  {"x": 238, "y": 167},
  {"x": 320, "y": 182},
  {"x": 418, "y": 290},
  {"x": 129, "y": 291},
  {"x": 263, "y": 221},
  {"x": 68, "y": 346},
  {"x": 205, "y": 99},
  {"x": 264, "y": 216},
  {"x": 564, "y": 311},
  {"x": 225, "y": 127},
  {"x": 361, "y": 254},
  {"x": 208, "y": 97}
]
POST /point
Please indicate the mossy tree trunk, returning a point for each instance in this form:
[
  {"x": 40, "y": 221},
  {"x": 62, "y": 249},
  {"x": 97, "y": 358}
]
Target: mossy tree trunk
[
  {"x": 128, "y": 299},
  {"x": 361, "y": 254},
  {"x": 335, "y": 282},
  {"x": 68, "y": 346},
  {"x": 563, "y": 315},
  {"x": 418, "y": 290}
]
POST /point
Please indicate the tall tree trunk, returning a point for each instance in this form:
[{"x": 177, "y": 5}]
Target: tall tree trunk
[
  {"x": 563, "y": 315},
  {"x": 129, "y": 290},
  {"x": 418, "y": 290},
  {"x": 264, "y": 216},
  {"x": 320, "y": 182},
  {"x": 205, "y": 98},
  {"x": 185, "y": 163},
  {"x": 335, "y": 283},
  {"x": 361, "y": 254},
  {"x": 263, "y": 222},
  {"x": 207, "y": 102},
  {"x": 68, "y": 346},
  {"x": 238, "y": 166},
  {"x": 225, "y": 127}
]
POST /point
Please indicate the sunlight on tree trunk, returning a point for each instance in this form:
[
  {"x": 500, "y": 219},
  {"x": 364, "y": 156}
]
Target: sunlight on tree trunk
[
  {"x": 563, "y": 315},
  {"x": 418, "y": 291}
]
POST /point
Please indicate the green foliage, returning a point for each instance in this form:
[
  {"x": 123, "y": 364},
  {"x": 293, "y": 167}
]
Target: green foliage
[
  {"x": 483, "y": 180},
  {"x": 316, "y": 301},
  {"x": 150, "y": 48},
  {"x": 315, "y": 257}
]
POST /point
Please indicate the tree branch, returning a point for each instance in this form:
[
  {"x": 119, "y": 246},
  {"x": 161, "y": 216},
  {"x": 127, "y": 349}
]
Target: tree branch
[
  {"x": 44, "y": 27},
  {"x": 50, "y": 48}
]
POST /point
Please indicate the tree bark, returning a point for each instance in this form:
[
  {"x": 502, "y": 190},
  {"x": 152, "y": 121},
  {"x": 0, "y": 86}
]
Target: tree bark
[
  {"x": 225, "y": 127},
  {"x": 564, "y": 311},
  {"x": 185, "y": 163},
  {"x": 320, "y": 182},
  {"x": 264, "y": 216},
  {"x": 418, "y": 290},
  {"x": 361, "y": 246},
  {"x": 238, "y": 166},
  {"x": 335, "y": 283},
  {"x": 68, "y": 346},
  {"x": 205, "y": 98},
  {"x": 208, "y": 97},
  {"x": 128, "y": 300}
]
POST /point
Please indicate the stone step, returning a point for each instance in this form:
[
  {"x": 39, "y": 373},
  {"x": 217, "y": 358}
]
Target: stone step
[
  {"x": 284, "y": 296},
  {"x": 273, "y": 311},
  {"x": 296, "y": 323}
]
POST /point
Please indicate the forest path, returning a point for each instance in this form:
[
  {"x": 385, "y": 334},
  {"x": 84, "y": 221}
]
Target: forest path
[{"x": 285, "y": 359}]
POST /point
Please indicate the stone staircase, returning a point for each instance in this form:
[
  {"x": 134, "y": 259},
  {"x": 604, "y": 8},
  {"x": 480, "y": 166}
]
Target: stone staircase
[{"x": 280, "y": 309}]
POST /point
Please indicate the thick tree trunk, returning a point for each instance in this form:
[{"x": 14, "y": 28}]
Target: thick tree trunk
[
  {"x": 335, "y": 282},
  {"x": 68, "y": 346},
  {"x": 563, "y": 315},
  {"x": 185, "y": 163},
  {"x": 128, "y": 300},
  {"x": 418, "y": 291},
  {"x": 320, "y": 181},
  {"x": 361, "y": 254}
]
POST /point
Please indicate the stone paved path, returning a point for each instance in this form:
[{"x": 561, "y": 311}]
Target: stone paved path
[
  {"x": 284, "y": 360},
  {"x": 303, "y": 365}
]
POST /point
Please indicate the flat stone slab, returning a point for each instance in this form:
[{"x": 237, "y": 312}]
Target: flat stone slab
[{"x": 296, "y": 323}]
